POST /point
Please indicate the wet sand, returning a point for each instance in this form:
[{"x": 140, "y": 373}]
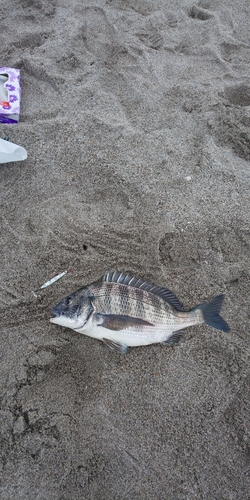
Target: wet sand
[{"x": 135, "y": 116}]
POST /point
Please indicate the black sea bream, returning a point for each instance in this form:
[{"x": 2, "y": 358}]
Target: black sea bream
[{"x": 124, "y": 311}]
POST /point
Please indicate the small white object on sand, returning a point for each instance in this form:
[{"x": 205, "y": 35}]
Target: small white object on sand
[{"x": 55, "y": 278}]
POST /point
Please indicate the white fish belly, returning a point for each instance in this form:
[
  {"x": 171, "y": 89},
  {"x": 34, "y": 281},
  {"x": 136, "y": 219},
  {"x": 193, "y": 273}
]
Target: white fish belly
[{"x": 132, "y": 337}]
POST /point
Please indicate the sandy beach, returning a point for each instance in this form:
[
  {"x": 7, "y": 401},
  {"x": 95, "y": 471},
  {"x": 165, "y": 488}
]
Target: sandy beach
[{"x": 135, "y": 115}]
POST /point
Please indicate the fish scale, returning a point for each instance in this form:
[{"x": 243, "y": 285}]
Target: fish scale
[
  {"x": 124, "y": 300},
  {"x": 123, "y": 311}
]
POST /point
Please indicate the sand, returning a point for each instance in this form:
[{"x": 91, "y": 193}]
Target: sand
[{"x": 135, "y": 115}]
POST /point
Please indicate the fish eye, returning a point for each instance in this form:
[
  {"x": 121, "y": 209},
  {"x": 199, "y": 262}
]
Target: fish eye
[{"x": 69, "y": 300}]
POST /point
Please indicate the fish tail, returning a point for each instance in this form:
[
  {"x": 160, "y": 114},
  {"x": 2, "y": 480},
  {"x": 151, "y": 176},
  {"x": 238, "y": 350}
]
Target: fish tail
[{"x": 211, "y": 315}]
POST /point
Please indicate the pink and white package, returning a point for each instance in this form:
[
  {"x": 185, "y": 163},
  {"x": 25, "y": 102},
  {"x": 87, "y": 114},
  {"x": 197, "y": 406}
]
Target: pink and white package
[{"x": 10, "y": 95}]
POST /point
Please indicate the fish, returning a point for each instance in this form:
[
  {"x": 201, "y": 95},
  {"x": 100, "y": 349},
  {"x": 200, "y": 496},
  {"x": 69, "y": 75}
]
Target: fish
[{"x": 124, "y": 311}]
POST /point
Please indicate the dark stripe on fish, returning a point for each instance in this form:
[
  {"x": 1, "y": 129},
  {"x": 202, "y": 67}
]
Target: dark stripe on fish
[
  {"x": 155, "y": 301},
  {"x": 107, "y": 298},
  {"x": 123, "y": 299},
  {"x": 140, "y": 309}
]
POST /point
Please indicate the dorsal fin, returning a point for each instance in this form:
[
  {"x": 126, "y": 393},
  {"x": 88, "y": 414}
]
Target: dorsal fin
[{"x": 128, "y": 279}]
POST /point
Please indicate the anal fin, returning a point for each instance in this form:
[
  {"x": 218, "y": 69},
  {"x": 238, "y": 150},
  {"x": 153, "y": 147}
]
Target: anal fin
[
  {"x": 174, "y": 338},
  {"x": 115, "y": 346}
]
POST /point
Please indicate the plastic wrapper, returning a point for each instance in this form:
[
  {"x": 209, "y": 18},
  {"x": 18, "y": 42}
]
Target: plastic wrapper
[
  {"x": 11, "y": 152},
  {"x": 10, "y": 95}
]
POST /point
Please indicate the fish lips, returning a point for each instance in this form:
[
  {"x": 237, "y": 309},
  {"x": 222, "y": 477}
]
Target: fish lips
[
  {"x": 62, "y": 319},
  {"x": 57, "y": 312},
  {"x": 63, "y": 309},
  {"x": 54, "y": 315},
  {"x": 59, "y": 309}
]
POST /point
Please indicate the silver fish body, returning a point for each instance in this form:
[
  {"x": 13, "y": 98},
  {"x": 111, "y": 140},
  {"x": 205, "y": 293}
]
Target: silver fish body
[{"x": 123, "y": 311}]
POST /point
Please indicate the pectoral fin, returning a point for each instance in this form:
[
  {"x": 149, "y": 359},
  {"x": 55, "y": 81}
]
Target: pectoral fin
[
  {"x": 116, "y": 346},
  {"x": 174, "y": 338},
  {"x": 115, "y": 322}
]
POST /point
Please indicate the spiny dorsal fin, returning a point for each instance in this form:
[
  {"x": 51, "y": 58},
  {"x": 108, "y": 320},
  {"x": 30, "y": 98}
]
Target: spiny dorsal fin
[{"x": 128, "y": 279}]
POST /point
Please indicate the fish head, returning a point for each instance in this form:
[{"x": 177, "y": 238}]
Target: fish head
[{"x": 74, "y": 310}]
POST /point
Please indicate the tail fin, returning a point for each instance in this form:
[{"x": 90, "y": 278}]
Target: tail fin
[{"x": 211, "y": 315}]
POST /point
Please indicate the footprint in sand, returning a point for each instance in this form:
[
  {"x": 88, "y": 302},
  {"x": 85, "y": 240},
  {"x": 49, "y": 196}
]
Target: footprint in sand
[
  {"x": 238, "y": 94},
  {"x": 152, "y": 39},
  {"x": 45, "y": 7},
  {"x": 31, "y": 40},
  {"x": 97, "y": 33},
  {"x": 200, "y": 13}
]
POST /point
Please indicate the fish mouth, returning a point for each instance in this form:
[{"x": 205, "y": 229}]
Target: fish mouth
[{"x": 54, "y": 314}]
